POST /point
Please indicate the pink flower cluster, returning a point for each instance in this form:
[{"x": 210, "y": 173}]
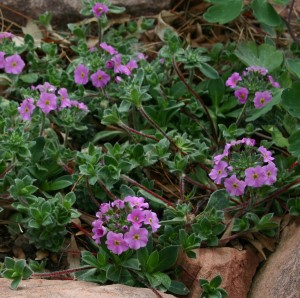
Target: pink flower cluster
[
  {"x": 13, "y": 64},
  {"x": 7, "y": 35},
  {"x": 99, "y": 9},
  {"x": 124, "y": 224},
  {"x": 48, "y": 101},
  {"x": 236, "y": 174},
  {"x": 101, "y": 78},
  {"x": 253, "y": 78}
]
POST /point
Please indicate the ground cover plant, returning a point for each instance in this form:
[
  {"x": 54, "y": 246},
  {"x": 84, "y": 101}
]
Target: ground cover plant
[{"x": 135, "y": 152}]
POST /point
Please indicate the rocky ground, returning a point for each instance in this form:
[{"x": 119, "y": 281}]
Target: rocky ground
[{"x": 262, "y": 269}]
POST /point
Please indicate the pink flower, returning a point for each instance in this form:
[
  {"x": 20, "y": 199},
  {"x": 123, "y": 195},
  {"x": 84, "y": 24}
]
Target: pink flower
[
  {"x": 46, "y": 87},
  {"x": 271, "y": 173},
  {"x": 136, "y": 217},
  {"x": 99, "y": 230},
  {"x": 115, "y": 242},
  {"x": 118, "y": 79},
  {"x": 109, "y": 64},
  {"x": 120, "y": 204},
  {"x": 152, "y": 220},
  {"x": 263, "y": 71},
  {"x": 136, "y": 202},
  {"x": 262, "y": 98},
  {"x": 131, "y": 65},
  {"x": 100, "y": 79},
  {"x": 248, "y": 142},
  {"x": 218, "y": 172},
  {"x": 233, "y": 80},
  {"x": 2, "y": 60},
  {"x": 47, "y": 102},
  {"x": 273, "y": 83},
  {"x": 141, "y": 56},
  {"x": 111, "y": 50},
  {"x": 266, "y": 154},
  {"x": 26, "y": 108},
  {"x": 64, "y": 98},
  {"x": 14, "y": 64},
  {"x": 6, "y": 35},
  {"x": 99, "y": 9},
  {"x": 136, "y": 237},
  {"x": 82, "y": 106},
  {"x": 104, "y": 207},
  {"x": 255, "y": 176},
  {"x": 241, "y": 94},
  {"x": 234, "y": 186},
  {"x": 81, "y": 74},
  {"x": 118, "y": 66}
]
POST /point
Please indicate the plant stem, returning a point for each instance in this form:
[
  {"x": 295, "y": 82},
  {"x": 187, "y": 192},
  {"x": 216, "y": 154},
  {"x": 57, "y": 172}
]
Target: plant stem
[
  {"x": 194, "y": 93},
  {"x": 187, "y": 178},
  {"x": 145, "y": 115},
  {"x": 129, "y": 129},
  {"x": 99, "y": 31},
  {"x": 62, "y": 272},
  {"x": 67, "y": 131},
  {"x": 42, "y": 124},
  {"x": 108, "y": 192},
  {"x": 241, "y": 114},
  {"x": 133, "y": 182},
  {"x": 181, "y": 187}
]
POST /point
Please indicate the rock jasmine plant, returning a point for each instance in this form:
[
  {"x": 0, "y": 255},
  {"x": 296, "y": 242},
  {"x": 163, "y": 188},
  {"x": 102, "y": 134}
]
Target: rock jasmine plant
[{"x": 138, "y": 153}]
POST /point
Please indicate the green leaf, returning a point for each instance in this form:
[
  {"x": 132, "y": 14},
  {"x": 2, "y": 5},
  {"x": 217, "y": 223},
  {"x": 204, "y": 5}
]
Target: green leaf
[
  {"x": 178, "y": 288},
  {"x": 216, "y": 281},
  {"x": 152, "y": 198},
  {"x": 216, "y": 89},
  {"x": 293, "y": 65},
  {"x": 264, "y": 55},
  {"x": 37, "y": 149},
  {"x": 223, "y": 11},
  {"x": 163, "y": 279},
  {"x": 208, "y": 71},
  {"x": 294, "y": 147},
  {"x": 15, "y": 283},
  {"x": 57, "y": 185},
  {"x": 107, "y": 135},
  {"x": 29, "y": 78},
  {"x": 265, "y": 13},
  {"x": 132, "y": 263},
  {"x": 218, "y": 200},
  {"x": 294, "y": 206},
  {"x": 9, "y": 263},
  {"x": 167, "y": 257},
  {"x": 152, "y": 261},
  {"x": 277, "y": 137},
  {"x": 290, "y": 99},
  {"x": 116, "y": 9},
  {"x": 114, "y": 273},
  {"x": 143, "y": 255}
]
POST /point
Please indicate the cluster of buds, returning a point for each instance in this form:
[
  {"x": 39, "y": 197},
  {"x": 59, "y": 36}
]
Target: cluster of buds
[
  {"x": 125, "y": 224},
  {"x": 242, "y": 165}
]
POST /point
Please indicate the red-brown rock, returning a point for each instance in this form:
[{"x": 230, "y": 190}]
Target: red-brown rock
[
  {"x": 280, "y": 275},
  {"x": 42, "y": 288},
  {"x": 67, "y": 11},
  {"x": 237, "y": 269}
]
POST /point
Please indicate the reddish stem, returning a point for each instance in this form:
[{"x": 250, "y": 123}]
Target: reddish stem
[
  {"x": 62, "y": 272},
  {"x": 133, "y": 182}
]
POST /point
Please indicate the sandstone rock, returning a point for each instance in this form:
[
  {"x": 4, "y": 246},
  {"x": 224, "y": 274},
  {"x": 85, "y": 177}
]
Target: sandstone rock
[
  {"x": 280, "y": 275},
  {"x": 67, "y": 11},
  {"x": 237, "y": 269},
  {"x": 42, "y": 288}
]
